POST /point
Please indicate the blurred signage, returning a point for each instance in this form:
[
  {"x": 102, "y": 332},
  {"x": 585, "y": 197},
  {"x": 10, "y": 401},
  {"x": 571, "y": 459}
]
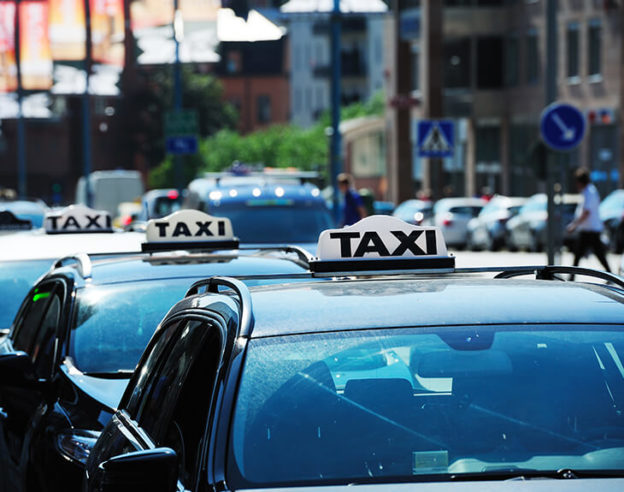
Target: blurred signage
[
  {"x": 67, "y": 29},
  {"x": 35, "y": 54},
  {"x": 435, "y": 138},
  {"x": 107, "y": 31},
  {"x": 409, "y": 25},
  {"x": 562, "y": 126},
  {"x": 181, "y": 128},
  {"x": 8, "y": 68}
]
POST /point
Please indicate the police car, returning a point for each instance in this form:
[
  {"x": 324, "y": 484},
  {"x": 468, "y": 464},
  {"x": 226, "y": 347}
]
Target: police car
[
  {"x": 82, "y": 328},
  {"x": 26, "y": 254},
  {"x": 264, "y": 207},
  {"x": 399, "y": 371}
]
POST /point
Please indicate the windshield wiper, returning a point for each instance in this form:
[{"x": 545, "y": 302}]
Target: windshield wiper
[
  {"x": 119, "y": 374},
  {"x": 513, "y": 473}
]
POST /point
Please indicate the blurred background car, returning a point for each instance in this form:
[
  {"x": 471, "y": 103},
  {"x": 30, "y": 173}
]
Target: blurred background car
[
  {"x": 452, "y": 215},
  {"x": 31, "y": 210},
  {"x": 612, "y": 214},
  {"x": 414, "y": 211},
  {"x": 527, "y": 230},
  {"x": 487, "y": 230},
  {"x": 159, "y": 203}
]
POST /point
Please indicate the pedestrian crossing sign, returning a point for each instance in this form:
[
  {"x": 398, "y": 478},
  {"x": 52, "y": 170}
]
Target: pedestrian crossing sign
[{"x": 436, "y": 138}]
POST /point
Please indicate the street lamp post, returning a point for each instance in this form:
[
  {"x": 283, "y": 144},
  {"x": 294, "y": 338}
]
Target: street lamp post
[{"x": 335, "y": 157}]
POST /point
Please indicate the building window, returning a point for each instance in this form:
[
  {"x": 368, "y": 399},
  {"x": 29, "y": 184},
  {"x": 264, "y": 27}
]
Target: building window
[
  {"x": 512, "y": 60},
  {"x": 490, "y": 62},
  {"x": 415, "y": 68},
  {"x": 573, "y": 49},
  {"x": 594, "y": 48},
  {"x": 233, "y": 62},
  {"x": 532, "y": 57},
  {"x": 264, "y": 108},
  {"x": 457, "y": 64}
]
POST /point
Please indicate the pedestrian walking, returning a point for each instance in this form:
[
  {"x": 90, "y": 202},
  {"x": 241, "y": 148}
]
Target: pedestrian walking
[
  {"x": 587, "y": 221},
  {"x": 354, "y": 208}
]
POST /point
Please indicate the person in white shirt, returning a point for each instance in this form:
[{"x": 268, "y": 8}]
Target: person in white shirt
[{"x": 587, "y": 221}]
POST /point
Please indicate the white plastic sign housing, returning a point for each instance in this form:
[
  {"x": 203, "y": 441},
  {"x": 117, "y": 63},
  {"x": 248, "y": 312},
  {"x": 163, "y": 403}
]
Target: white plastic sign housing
[
  {"x": 77, "y": 218},
  {"x": 381, "y": 236},
  {"x": 187, "y": 226}
]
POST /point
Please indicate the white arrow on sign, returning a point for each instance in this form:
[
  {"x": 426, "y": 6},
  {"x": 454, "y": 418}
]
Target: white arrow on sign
[{"x": 568, "y": 133}]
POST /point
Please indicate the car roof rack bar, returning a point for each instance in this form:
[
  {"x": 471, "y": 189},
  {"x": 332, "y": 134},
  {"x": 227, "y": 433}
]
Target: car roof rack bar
[
  {"x": 303, "y": 256},
  {"x": 81, "y": 259},
  {"x": 548, "y": 272}
]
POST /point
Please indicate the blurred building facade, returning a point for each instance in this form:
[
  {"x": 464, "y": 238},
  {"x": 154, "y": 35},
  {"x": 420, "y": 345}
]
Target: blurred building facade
[{"x": 494, "y": 68}]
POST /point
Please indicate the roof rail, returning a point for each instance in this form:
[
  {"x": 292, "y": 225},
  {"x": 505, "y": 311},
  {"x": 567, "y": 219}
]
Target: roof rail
[
  {"x": 546, "y": 272},
  {"x": 212, "y": 284},
  {"x": 81, "y": 259},
  {"x": 303, "y": 256}
]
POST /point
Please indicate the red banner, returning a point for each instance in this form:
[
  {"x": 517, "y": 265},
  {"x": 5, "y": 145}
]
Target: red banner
[
  {"x": 35, "y": 55},
  {"x": 67, "y": 29},
  {"x": 8, "y": 68}
]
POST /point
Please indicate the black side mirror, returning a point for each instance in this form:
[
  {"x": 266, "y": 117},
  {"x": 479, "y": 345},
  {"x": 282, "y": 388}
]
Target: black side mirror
[
  {"x": 16, "y": 369},
  {"x": 155, "y": 470}
]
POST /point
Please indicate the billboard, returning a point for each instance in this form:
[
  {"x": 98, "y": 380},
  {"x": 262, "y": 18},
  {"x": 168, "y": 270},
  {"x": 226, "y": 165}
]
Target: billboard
[
  {"x": 8, "y": 68},
  {"x": 35, "y": 54},
  {"x": 107, "y": 31},
  {"x": 67, "y": 29}
]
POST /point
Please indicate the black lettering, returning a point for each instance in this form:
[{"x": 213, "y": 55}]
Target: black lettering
[
  {"x": 181, "y": 229},
  {"x": 204, "y": 228},
  {"x": 407, "y": 242},
  {"x": 432, "y": 244},
  {"x": 221, "y": 224},
  {"x": 108, "y": 222},
  {"x": 93, "y": 221},
  {"x": 371, "y": 243},
  {"x": 345, "y": 241},
  {"x": 54, "y": 221},
  {"x": 71, "y": 221},
  {"x": 162, "y": 228}
]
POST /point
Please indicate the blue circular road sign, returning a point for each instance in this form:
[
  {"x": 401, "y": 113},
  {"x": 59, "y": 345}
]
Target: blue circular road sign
[{"x": 562, "y": 126}]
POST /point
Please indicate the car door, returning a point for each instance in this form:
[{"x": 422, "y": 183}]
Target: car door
[
  {"x": 168, "y": 401},
  {"x": 26, "y": 397}
]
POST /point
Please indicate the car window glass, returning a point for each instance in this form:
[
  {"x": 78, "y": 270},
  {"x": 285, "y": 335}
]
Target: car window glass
[
  {"x": 174, "y": 411},
  {"x": 30, "y": 319},
  {"x": 43, "y": 349}
]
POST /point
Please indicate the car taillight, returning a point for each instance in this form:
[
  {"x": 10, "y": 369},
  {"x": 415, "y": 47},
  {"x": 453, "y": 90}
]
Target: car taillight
[{"x": 447, "y": 222}]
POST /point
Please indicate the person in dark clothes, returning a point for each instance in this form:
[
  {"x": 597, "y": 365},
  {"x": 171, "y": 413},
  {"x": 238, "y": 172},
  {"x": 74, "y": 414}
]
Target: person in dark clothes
[
  {"x": 354, "y": 209},
  {"x": 587, "y": 221}
]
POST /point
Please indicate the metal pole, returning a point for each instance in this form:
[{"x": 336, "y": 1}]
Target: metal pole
[
  {"x": 86, "y": 108},
  {"x": 552, "y": 161},
  {"x": 21, "y": 127},
  {"x": 335, "y": 157},
  {"x": 177, "y": 86}
]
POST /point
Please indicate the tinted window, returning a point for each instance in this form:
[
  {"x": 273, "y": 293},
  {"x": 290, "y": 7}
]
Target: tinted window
[
  {"x": 290, "y": 223},
  {"x": 356, "y": 406},
  {"x": 113, "y": 323},
  {"x": 164, "y": 206},
  {"x": 469, "y": 211},
  {"x": 16, "y": 279},
  {"x": 28, "y": 325}
]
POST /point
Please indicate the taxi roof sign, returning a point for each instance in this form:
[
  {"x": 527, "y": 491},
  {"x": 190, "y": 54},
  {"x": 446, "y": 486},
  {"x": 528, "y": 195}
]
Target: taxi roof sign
[
  {"x": 382, "y": 243},
  {"x": 189, "y": 229},
  {"x": 77, "y": 218}
]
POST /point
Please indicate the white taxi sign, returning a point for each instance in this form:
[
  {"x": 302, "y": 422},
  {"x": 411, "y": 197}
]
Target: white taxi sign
[
  {"x": 382, "y": 242},
  {"x": 189, "y": 229},
  {"x": 77, "y": 218}
]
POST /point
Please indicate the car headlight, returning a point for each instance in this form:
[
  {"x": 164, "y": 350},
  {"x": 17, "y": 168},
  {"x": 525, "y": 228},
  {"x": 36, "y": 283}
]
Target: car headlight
[{"x": 76, "y": 444}]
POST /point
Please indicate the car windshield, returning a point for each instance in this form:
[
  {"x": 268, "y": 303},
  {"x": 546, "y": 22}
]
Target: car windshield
[
  {"x": 359, "y": 406},
  {"x": 254, "y": 222},
  {"x": 16, "y": 279}
]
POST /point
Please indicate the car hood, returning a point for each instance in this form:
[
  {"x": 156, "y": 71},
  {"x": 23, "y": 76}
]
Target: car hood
[{"x": 517, "y": 485}]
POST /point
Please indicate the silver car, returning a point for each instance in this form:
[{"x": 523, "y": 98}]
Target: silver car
[{"x": 487, "y": 230}]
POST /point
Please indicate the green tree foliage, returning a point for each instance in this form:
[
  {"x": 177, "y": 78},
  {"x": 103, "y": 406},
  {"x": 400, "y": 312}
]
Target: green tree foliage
[{"x": 277, "y": 146}]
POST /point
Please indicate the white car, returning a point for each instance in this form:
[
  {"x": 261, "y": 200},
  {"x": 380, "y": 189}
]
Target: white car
[
  {"x": 487, "y": 230},
  {"x": 452, "y": 215}
]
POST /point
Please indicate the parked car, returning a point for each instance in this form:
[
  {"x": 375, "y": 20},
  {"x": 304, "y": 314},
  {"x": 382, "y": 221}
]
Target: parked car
[
  {"x": 612, "y": 215},
  {"x": 487, "y": 230},
  {"x": 528, "y": 229},
  {"x": 414, "y": 211},
  {"x": 452, "y": 215},
  {"x": 378, "y": 381},
  {"x": 32, "y": 211}
]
